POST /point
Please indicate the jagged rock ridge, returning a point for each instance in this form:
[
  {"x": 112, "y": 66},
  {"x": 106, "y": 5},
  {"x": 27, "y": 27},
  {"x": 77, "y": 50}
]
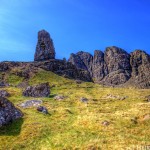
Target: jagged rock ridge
[{"x": 115, "y": 66}]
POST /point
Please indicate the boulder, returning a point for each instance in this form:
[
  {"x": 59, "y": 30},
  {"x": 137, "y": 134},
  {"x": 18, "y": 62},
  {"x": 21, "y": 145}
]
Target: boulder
[
  {"x": 42, "y": 109},
  {"x": 78, "y": 81},
  {"x": 105, "y": 123},
  {"x": 3, "y": 84},
  {"x": 110, "y": 96},
  {"x": 84, "y": 100},
  {"x": 148, "y": 98},
  {"x": 8, "y": 112},
  {"x": 42, "y": 90},
  {"x": 4, "y": 93},
  {"x": 24, "y": 84},
  {"x": 146, "y": 117},
  {"x": 44, "y": 49},
  {"x": 59, "y": 97},
  {"x": 134, "y": 120},
  {"x": 31, "y": 103}
]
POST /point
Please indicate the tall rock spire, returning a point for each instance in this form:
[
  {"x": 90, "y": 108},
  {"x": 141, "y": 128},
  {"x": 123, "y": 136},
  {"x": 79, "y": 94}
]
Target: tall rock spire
[{"x": 44, "y": 49}]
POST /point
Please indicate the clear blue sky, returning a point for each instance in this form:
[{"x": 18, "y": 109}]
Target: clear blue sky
[{"x": 74, "y": 25}]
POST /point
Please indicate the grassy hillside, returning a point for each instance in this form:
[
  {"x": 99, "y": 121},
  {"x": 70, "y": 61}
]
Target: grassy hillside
[{"x": 73, "y": 124}]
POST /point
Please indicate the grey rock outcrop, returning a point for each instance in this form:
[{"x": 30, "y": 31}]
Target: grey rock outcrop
[
  {"x": 8, "y": 112},
  {"x": 3, "y": 84},
  {"x": 76, "y": 60},
  {"x": 110, "y": 68},
  {"x": 45, "y": 48},
  {"x": 140, "y": 63},
  {"x": 4, "y": 93},
  {"x": 99, "y": 67},
  {"x": 82, "y": 60},
  {"x": 118, "y": 65},
  {"x": 87, "y": 59},
  {"x": 41, "y": 90}
]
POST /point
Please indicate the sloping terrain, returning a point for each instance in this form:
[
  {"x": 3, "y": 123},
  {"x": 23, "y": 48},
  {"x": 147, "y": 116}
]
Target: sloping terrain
[{"x": 113, "y": 118}]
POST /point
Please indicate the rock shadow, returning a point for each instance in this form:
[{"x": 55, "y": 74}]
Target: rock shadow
[{"x": 12, "y": 129}]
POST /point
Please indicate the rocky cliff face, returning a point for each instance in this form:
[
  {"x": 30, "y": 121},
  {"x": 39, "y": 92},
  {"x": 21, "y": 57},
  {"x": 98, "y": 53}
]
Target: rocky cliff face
[
  {"x": 99, "y": 68},
  {"x": 82, "y": 60},
  {"x": 118, "y": 65},
  {"x": 44, "y": 49},
  {"x": 140, "y": 63},
  {"x": 115, "y": 66}
]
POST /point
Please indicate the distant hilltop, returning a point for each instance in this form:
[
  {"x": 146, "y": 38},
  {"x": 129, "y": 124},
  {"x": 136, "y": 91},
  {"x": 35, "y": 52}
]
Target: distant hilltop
[{"x": 113, "y": 67}]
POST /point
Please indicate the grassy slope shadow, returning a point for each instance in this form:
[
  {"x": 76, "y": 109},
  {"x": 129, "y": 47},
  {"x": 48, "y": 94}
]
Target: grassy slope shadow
[{"x": 12, "y": 129}]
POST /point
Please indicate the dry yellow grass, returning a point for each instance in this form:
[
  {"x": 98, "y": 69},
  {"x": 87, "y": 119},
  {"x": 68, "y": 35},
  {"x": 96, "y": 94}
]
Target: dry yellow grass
[{"x": 76, "y": 125}]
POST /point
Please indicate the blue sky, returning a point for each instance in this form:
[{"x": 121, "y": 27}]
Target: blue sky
[{"x": 73, "y": 25}]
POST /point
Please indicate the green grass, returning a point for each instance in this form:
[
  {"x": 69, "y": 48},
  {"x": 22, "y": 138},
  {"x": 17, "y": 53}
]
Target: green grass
[{"x": 72, "y": 124}]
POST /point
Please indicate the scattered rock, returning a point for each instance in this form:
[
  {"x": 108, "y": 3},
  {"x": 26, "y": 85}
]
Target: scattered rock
[
  {"x": 105, "y": 123},
  {"x": 116, "y": 97},
  {"x": 42, "y": 109},
  {"x": 84, "y": 100},
  {"x": 134, "y": 120},
  {"x": 59, "y": 97},
  {"x": 146, "y": 117},
  {"x": 42, "y": 90},
  {"x": 53, "y": 85},
  {"x": 8, "y": 112},
  {"x": 78, "y": 81},
  {"x": 148, "y": 98},
  {"x": 4, "y": 93},
  {"x": 24, "y": 73},
  {"x": 3, "y": 84},
  {"x": 44, "y": 49},
  {"x": 23, "y": 85},
  {"x": 31, "y": 103}
]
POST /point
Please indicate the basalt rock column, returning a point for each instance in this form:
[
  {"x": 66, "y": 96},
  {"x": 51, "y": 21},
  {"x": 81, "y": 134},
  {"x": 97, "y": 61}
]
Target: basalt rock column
[{"x": 44, "y": 49}]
